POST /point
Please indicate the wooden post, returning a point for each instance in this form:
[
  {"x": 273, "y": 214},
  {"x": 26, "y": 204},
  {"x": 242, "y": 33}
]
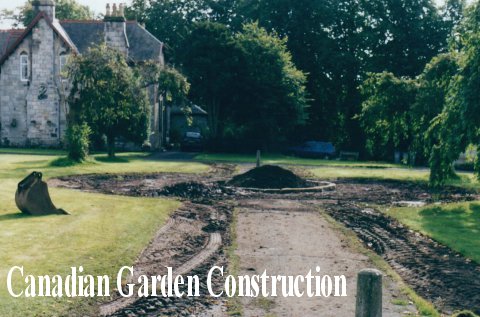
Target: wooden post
[
  {"x": 258, "y": 158},
  {"x": 369, "y": 293}
]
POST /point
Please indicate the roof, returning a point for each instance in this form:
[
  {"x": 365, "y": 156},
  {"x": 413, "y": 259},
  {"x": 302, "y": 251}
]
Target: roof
[
  {"x": 196, "y": 110},
  {"x": 8, "y": 38},
  {"x": 143, "y": 45},
  {"x": 10, "y": 47},
  {"x": 80, "y": 35}
]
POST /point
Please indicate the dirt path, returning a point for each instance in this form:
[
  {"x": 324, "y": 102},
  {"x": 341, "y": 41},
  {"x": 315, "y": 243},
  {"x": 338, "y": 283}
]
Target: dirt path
[{"x": 286, "y": 237}]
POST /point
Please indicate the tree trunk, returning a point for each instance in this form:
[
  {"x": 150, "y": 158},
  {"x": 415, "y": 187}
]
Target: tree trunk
[{"x": 111, "y": 146}]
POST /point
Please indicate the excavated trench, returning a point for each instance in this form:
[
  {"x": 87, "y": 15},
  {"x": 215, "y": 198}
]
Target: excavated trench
[{"x": 434, "y": 271}]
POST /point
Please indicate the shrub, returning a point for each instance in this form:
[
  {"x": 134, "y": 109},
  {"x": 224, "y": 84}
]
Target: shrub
[{"x": 78, "y": 141}]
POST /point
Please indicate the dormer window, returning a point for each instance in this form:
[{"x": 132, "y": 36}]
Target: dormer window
[{"x": 24, "y": 67}]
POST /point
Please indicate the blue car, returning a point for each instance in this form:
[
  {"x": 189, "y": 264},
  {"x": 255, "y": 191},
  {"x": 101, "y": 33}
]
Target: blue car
[{"x": 313, "y": 149}]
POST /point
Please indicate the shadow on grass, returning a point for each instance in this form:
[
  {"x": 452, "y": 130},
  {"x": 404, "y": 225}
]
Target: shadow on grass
[
  {"x": 116, "y": 159},
  {"x": 63, "y": 162},
  {"x": 18, "y": 215}
]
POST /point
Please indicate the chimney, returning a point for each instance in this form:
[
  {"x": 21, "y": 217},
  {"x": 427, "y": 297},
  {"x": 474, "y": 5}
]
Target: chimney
[
  {"x": 107, "y": 11},
  {"x": 115, "y": 28},
  {"x": 45, "y": 6}
]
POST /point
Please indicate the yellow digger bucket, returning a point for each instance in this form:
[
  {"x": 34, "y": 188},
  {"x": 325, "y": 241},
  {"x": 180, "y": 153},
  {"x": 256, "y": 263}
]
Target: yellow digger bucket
[{"x": 32, "y": 197}]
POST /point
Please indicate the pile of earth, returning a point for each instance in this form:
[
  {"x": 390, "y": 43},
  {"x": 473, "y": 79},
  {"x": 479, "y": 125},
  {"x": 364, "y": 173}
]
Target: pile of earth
[
  {"x": 194, "y": 190},
  {"x": 269, "y": 177}
]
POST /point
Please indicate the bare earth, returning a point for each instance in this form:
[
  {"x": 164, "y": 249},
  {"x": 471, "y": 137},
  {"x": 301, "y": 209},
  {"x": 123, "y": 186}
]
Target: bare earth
[{"x": 286, "y": 237}]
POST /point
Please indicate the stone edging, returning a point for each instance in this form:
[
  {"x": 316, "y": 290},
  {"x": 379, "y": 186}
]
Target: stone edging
[{"x": 321, "y": 187}]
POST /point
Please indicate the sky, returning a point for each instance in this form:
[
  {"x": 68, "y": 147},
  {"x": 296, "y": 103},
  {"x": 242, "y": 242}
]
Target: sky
[{"x": 96, "y": 5}]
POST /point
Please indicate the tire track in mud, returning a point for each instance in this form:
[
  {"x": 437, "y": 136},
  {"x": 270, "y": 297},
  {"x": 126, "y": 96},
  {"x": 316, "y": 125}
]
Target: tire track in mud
[
  {"x": 214, "y": 243},
  {"x": 437, "y": 273},
  {"x": 115, "y": 305}
]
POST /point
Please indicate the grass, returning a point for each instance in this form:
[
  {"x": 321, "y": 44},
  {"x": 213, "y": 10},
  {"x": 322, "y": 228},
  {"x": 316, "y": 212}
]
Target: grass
[
  {"x": 18, "y": 166},
  {"x": 465, "y": 180},
  {"x": 455, "y": 225},
  {"x": 334, "y": 169},
  {"x": 404, "y": 174},
  {"x": 287, "y": 160},
  {"x": 103, "y": 232}
]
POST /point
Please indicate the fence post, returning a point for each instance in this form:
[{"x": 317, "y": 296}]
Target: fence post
[
  {"x": 369, "y": 293},
  {"x": 258, "y": 158}
]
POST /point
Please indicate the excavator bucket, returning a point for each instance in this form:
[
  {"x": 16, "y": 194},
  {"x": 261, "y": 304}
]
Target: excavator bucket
[{"x": 32, "y": 197}]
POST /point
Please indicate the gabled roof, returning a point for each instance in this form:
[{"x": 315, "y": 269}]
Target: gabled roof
[
  {"x": 80, "y": 35},
  {"x": 8, "y": 38},
  {"x": 142, "y": 44},
  {"x": 55, "y": 26},
  {"x": 84, "y": 33}
]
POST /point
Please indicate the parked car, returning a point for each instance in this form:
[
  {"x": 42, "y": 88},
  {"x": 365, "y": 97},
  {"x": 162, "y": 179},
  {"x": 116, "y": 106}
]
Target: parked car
[
  {"x": 192, "y": 141},
  {"x": 313, "y": 149}
]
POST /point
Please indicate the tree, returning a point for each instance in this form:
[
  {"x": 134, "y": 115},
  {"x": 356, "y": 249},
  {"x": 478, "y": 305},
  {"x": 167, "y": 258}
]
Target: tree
[
  {"x": 458, "y": 124},
  {"x": 433, "y": 86},
  {"x": 211, "y": 62},
  {"x": 248, "y": 82},
  {"x": 169, "y": 20},
  {"x": 385, "y": 114},
  {"x": 271, "y": 98},
  {"x": 452, "y": 14},
  {"x": 108, "y": 95},
  {"x": 402, "y": 36},
  {"x": 64, "y": 10}
]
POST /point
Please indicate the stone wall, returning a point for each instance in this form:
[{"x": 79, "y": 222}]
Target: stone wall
[
  {"x": 43, "y": 101},
  {"x": 33, "y": 113},
  {"x": 13, "y": 105}
]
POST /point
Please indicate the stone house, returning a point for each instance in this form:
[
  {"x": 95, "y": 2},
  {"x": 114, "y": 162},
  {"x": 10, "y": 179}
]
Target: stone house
[{"x": 33, "y": 108}]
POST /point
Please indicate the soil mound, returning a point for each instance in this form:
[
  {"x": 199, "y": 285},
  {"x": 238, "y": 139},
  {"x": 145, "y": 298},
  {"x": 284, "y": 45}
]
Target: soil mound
[
  {"x": 194, "y": 190},
  {"x": 268, "y": 176}
]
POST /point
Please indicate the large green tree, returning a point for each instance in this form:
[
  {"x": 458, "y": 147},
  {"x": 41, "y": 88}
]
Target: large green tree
[
  {"x": 459, "y": 123},
  {"x": 108, "y": 96},
  {"x": 385, "y": 115},
  {"x": 433, "y": 86},
  {"x": 254, "y": 94},
  {"x": 212, "y": 63},
  {"x": 272, "y": 97},
  {"x": 168, "y": 20}
]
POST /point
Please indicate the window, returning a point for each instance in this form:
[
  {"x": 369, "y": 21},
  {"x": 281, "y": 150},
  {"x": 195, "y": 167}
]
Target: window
[
  {"x": 24, "y": 67},
  {"x": 63, "y": 62}
]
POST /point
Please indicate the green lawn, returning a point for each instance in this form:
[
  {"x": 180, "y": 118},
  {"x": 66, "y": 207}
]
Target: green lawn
[
  {"x": 284, "y": 159},
  {"x": 19, "y": 165},
  {"x": 103, "y": 232},
  {"x": 456, "y": 225},
  {"x": 333, "y": 169}
]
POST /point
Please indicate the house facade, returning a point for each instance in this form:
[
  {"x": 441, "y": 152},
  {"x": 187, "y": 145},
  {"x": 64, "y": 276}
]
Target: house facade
[{"x": 33, "y": 92}]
